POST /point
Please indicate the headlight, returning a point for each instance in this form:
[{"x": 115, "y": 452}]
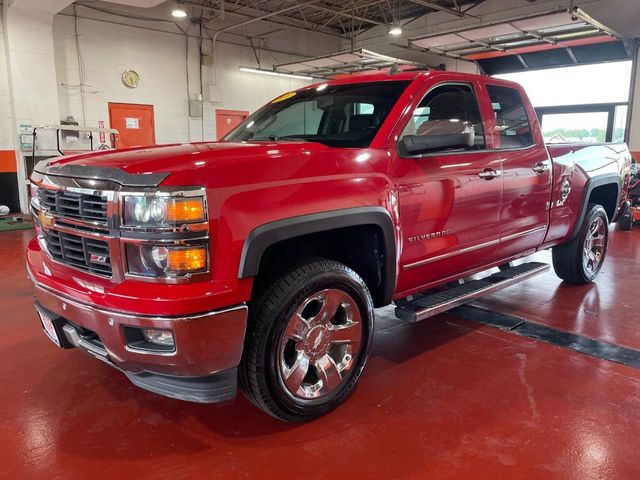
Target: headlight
[
  {"x": 166, "y": 234},
  {"x": 166, "y": 260},
  {"x": 162, "y": 211}
]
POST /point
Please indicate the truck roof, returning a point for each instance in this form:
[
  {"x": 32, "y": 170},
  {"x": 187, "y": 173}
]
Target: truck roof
[{"x": 406, "y": 75}]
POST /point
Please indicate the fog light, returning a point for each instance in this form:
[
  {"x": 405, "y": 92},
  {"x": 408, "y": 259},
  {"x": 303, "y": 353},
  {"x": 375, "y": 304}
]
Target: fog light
[{"x": 159, "y": 337}]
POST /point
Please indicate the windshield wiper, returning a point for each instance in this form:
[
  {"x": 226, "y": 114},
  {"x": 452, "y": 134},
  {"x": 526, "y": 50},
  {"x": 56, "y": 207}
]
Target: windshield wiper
[{"x": 275, "y": 138}]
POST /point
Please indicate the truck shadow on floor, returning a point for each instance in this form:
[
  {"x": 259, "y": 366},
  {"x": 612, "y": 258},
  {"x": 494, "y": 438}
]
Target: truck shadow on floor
[{"x": 119, "y": 418}]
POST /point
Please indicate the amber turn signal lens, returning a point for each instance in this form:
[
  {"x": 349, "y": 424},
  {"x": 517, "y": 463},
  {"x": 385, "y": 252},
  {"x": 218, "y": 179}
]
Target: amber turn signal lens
[
  {"x": 187, "y": 259},
  {"x": 185, "y": 210}
]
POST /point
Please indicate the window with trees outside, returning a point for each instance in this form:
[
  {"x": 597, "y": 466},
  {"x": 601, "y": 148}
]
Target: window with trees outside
[{"x": 586, "y": 103}]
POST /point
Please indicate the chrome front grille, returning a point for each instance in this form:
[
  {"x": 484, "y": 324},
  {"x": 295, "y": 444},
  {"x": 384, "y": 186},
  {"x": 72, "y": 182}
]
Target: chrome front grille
[
  {"x": 70, "y": 204},
  {"x": 76, "y": 228},
  {"x": 88, "y": 254}
]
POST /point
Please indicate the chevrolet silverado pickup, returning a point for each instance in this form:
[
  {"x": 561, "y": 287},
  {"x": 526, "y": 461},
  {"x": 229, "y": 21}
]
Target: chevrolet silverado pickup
[{"x": 258, "y": 259}]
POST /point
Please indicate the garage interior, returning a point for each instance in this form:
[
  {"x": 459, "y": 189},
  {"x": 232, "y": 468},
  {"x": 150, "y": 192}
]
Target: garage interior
[{"x": 540, "y": 380}]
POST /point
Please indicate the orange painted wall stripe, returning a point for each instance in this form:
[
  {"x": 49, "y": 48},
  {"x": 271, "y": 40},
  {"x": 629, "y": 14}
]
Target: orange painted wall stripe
[{"x": 8, "y": 161}]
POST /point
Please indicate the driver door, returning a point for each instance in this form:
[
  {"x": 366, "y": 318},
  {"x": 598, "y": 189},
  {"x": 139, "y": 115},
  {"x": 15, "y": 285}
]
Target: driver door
[{"x": 449, "y": 198}]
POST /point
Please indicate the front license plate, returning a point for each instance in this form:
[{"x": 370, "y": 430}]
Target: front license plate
[{"x": 49, "y": 328}]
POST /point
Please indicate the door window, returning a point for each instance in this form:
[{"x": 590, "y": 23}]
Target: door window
[
  {"x": 448, "y": 109},
  {"x": 512, "y": 121}
]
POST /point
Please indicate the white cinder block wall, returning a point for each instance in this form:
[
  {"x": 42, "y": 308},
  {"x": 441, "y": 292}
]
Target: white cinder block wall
[
  {"x": 6, "y": 134},
  {"x": 108, "y": 49}
]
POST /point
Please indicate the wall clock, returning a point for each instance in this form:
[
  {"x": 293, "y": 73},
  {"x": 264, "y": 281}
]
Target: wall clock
[{"x": 130, "y": 78}]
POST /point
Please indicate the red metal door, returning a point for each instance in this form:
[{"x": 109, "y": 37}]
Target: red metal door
[
  {"x": 450, "y": 214},
  {"x": 134, "y": 122},
  {"x": 227, "y": 120},
  {"x": 527, "y": 170}
]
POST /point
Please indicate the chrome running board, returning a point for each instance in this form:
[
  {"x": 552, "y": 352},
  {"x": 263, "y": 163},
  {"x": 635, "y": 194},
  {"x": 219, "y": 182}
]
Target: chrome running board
[{"x": 431, "y": 304}]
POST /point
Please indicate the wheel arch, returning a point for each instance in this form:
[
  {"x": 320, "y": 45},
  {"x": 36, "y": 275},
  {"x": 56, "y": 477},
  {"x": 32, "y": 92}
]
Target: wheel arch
[
  {"x": 261, "y": 238},
  {"x": 604, "y": 190}
]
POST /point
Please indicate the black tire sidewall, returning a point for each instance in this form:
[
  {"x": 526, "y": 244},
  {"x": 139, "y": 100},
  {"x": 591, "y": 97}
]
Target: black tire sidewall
[
  {"x": 594, "y": 212},
  {"x": 626, "y": 222},
  {"x": 343, "y": 279}
]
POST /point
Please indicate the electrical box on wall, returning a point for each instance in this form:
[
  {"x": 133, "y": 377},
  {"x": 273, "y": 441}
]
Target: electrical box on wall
[
  {"x": 195, "y": 108},
  {"x": 214, "y": 93}
]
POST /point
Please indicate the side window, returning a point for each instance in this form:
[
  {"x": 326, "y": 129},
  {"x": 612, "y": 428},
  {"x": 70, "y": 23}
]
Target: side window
[
  {"x": 448, "y": 109},
  {"x": 512, "y": 121},
  {"x": 364, "y": 108}
]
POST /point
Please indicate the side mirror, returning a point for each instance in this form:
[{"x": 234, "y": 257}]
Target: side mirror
[
  {"x": 431, "y": 143},
  {"x": 434, "y": 135}
]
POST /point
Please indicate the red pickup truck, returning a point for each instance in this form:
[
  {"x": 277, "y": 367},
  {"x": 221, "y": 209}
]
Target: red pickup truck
[{"x": 260, "y": 258}]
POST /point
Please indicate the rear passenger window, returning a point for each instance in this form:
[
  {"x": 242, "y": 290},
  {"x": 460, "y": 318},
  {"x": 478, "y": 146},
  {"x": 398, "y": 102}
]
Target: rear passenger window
[{"x": 511, "y": 117}]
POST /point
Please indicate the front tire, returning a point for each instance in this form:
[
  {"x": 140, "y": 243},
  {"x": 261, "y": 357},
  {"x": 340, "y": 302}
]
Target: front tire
[
  {"x": 580, "y": 260},
  {"x": 308, "y": 341}
]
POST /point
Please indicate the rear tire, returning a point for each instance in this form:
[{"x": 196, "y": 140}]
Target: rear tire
[
  {"x": 580, "y": 260},
  {"x": 626, "y": 222},
  {"x": 308, "y": 341}
]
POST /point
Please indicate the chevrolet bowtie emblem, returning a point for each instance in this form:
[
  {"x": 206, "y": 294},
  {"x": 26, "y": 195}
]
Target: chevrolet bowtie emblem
[{"x": 46, "y": 220}]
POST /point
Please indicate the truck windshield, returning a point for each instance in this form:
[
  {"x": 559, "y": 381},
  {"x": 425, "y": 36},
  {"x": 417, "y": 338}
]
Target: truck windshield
[{"x": 337, "y": 116}]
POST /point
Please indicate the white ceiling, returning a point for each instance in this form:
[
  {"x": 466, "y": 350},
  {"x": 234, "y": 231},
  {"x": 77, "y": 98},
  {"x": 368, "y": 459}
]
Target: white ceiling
[{"x": 621, "y": 15}]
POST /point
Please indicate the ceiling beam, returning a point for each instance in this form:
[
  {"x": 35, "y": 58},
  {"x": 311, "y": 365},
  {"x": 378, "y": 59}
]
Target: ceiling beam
[
  {"x": 436, "y": 6},
  {"x": 264, "y": 18},
  {"x": 344, "y": 13}
]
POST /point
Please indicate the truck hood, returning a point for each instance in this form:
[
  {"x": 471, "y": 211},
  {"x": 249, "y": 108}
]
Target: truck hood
[{"x": 179, "y": 157}]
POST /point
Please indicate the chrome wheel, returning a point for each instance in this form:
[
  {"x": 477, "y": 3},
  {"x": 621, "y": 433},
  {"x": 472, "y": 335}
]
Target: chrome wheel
[
  {"x": 320, "y": 344},
  {"x": 594, "y": 246}
]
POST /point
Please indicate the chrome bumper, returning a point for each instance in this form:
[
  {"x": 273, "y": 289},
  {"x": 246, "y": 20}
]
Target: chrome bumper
[{"x": 202, "y": 368}]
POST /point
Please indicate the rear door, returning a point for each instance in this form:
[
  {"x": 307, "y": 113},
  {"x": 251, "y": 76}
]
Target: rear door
[
  {"x": 524, "y": 215},
  {"x": 449, "y": 207},
  {"x": 134, "y": 123}
]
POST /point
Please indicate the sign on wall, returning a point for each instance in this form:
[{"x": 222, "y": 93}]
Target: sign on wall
[
  {"x": 103, "y": 137},
  {"x": 25, "y": 134},
  {"x": 132, "y": 123}
]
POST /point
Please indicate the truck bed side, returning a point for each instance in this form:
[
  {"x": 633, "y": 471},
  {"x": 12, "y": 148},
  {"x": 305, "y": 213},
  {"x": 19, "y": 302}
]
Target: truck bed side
[{"x": 590, "y": 173}]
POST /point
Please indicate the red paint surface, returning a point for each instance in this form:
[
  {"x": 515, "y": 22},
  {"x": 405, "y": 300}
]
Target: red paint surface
[
  {"x": 8, "y": 161},
  {"x": 135, "y": 124},
  {"x": 442, "y": 399}
]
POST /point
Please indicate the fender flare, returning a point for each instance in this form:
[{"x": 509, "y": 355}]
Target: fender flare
[
  {"x": 592, "y": 184},
  {"x": 264, "y": 236}
]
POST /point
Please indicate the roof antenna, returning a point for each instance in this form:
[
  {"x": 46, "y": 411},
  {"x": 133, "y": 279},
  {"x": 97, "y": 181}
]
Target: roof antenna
[{"x": 394, "y": 69}]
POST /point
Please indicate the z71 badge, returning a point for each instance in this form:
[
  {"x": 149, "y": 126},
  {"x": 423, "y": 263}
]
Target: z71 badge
[
  {"x": 99, "y": 259},
  {"x": 428, "y": 236}
]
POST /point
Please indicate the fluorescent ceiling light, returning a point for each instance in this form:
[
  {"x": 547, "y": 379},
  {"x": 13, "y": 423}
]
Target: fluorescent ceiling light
[
  {"x": 395, "y": 31},
  {"x": 179, "y": 11},
  {"x": 277, "y": 74}
]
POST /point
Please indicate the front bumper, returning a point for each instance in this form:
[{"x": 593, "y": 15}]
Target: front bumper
[{"x": 201, "y": 369}]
